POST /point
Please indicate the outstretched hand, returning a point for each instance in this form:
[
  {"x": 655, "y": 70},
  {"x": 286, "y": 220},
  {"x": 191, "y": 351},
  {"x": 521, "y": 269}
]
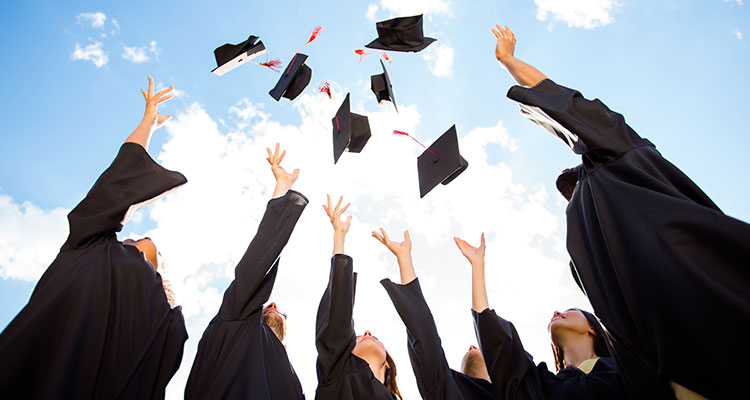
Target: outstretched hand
[
  {"x": 152, "y": 114},
  {"x": 506, "y": 43},
  {"x": 475, "y": 255},
  {"x": 284, "y": 180},
  {"x": 399, "y": 249},
  {"x": 339, "y": 226}
]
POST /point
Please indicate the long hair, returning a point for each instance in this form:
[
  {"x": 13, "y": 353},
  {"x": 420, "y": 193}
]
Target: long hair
[
  {"x": 390, "y": 376},
  {"x": 600, "y": 343}
]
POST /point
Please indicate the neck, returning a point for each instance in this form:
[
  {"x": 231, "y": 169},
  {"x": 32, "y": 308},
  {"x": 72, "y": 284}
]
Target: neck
[
  {"x": 376, "y": 365},
  {"x": 578, "y": 351}
]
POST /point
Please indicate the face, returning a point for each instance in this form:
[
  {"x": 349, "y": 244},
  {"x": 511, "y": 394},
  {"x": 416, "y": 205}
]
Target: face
[
  {"x": 369, "y": 346},
  {"x": 147, "y": 247},
  {"x": 571, "y": 321},
  {"x": 276, "y": 320},
  {"x": 473, "y": 365}
]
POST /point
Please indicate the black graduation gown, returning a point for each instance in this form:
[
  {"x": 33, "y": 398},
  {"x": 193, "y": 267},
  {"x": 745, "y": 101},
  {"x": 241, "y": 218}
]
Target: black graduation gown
[
  {"x": 98, "y": 324},
  {"x": 239, "y": 356},
  {"x": 341, "y": 374},
  {"x": 435, "y": 379},
  {"x": 515, "y": 376},
  {"x": 665, "y": 270}
]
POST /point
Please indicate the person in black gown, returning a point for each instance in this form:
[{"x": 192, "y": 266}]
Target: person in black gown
[
  {"x": 241, "y": 355},
  {"x": 651, "y": 251},
  {"x": 349, "y": 367},
  {"x": 99, "y": 323},
  {"x": 579, "y": 343},
  {"x": 435, "y": 379}
]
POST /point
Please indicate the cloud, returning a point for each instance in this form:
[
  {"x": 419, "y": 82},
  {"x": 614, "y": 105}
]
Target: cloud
[
  {"x": 29, "y": 238},
  {"x": 578, "y": 13},
  {"x": 371, "y": 10},
  {"x": 93, "y": 52},
  {"x": 440, "y": 60},
  {"x": 95, "y": 19},
  {"x": 734, "y": 2},
  {"x": 398, "y": 8},
  {"x": 217, "y": 213},
  {"x": 140, "y": 54},
  {"x": 738, "y": 33}
]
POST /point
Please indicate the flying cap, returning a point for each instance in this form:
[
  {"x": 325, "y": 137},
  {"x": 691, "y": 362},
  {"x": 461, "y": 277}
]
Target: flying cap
[
  {"x": 440, "y": 163},
  {"x": 381, "y": 86},
  {"x": 401, "y": 34},
  {"x": 350, "y": 131},
  {"x": 231, "y": 56},
  {"x": 293, "y": 80}
]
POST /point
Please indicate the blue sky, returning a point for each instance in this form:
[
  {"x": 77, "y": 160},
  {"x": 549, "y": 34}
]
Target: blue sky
[{"x": 676, "y": 70}]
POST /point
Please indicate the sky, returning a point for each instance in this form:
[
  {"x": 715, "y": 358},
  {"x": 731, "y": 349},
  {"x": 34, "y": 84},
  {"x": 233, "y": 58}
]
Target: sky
[{"x": 72, "y": 74}]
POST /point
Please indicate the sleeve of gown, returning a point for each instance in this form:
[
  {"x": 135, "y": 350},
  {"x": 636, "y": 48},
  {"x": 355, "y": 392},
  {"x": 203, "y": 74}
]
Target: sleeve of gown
[
  {"x": 425, "y": 349},
  {"x": 334, "y": 328},
  {"x": 586, "y": 126},
  {"x": 256, "y": 272},
  {"x": 512, "y": 370},
  {"x": 133, "y": 180}
]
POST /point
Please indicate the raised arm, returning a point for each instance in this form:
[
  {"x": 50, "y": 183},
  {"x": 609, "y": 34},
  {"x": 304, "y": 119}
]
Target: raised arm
[
  {"x": 152, "y": 119},
  {"x": 475, "y": 255},
  {"x": 523, "y": 73},
  {"x": 402, "y": 251}
]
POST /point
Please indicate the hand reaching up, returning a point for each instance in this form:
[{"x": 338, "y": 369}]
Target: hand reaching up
[
  {"x": 152, "y": 114},
  {"x": 475, "y": 255},
  {"x": 340, "y": 227},
  {"x": 399, "y": 249},
  {"x": 506, "y": 43},
  {"x": 284, "y": 180}
]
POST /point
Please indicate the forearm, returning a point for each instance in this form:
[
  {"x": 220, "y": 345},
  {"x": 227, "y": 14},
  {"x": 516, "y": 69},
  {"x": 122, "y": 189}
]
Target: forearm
[
  {"x": 338, "y": 242},
  {"x": 406, "y": 268},
  {"x": 142, "y": 134},
  {"x": 524, "y": 74},
  {"x": 281, "y": 188},
  {"x": 479, "y": 301}
]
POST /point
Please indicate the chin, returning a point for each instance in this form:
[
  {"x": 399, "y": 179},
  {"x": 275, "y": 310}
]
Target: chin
[{"x": 369, "y": 347}]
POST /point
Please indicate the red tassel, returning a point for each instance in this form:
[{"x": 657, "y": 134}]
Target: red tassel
[
  {"x": 386, "y": 56},
  {"x": 361, "y": 53},
  {"x": 395, "y": 132},
  {"x": 315, "y": 33},
  {"x": 325, "y": 87},
  {"x": 274, "y": 64}
]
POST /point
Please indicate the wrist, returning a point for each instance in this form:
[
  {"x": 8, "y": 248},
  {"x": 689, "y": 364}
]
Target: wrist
[{"x": 506, "y": 59}]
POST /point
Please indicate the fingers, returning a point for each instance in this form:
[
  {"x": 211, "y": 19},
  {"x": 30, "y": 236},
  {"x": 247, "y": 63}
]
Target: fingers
[
  {"x": 150, "y": 87},
  {"x": 163, "y": 99},
  {"x": 328, "y": 196},
  {"x": 145, "y": 97},
  {"x": 336, "y": 210},
  {"x": 378, "y": 237},
  {"x": 385, "y": 235},
  {"x": 496, "y": 33},
  {"x": 348, "y": 219},
  {"x": 281, "y": 157},
  {"x": 270, "y": 155},
  {"x": 344, "y": 209},
  {"x": 276, "y": 151},
  {"x": 165, "y": 91}
]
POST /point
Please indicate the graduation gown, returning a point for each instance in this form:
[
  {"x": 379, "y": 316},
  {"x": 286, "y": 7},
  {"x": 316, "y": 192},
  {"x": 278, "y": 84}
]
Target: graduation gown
[
  {"x": 515, "y": 376},
  {"x": 98, "y": 324},
  {"x": 665, "y": 270},
  {"x": 239, "y": 356},
  {"x": 341, "y": 374},
  {"x": 435, "y": 379}
]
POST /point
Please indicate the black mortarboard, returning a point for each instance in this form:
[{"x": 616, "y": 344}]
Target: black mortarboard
[
  {"x": 293, "y": 80},
  {"x": 401, "y": 34},
  {"x": 350, "y": 131},
  {"x": 567, "y": 180},
  {"x": 441, "y": 163},
  {"x": 381, "y": 86},
  {"x": 230, "y": 56}
]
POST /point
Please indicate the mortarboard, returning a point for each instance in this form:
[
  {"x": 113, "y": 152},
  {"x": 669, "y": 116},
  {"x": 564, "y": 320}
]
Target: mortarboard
[
  {"x": 440, "y": 163},
  {"x": 350, "y": 131},
  {"x": 381, "y": 86},
  {"x": 401, "y": 34},
  {"x": 293, "y": 80},
  {"x": 230, "y": 56}
]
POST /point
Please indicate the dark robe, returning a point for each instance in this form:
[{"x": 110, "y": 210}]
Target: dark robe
[
  {"x": 515, "y": 376},
  {"x": 341, "y": 374},
  {"x": 239, "y": 356},
  {"x": 435, "y": 379},
  {"x": 98, "y": 324},
  {"x": 665, "y": 270}
]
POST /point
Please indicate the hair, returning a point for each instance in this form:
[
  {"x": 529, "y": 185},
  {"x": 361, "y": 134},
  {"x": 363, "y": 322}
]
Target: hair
[
  {"x": 472, "y": 366},
  {"x": 600, "y": 343},
  {"x": 390, "y": 376},
  {"x": 277, "y": 325}
]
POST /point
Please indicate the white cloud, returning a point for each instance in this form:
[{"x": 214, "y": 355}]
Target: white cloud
[
  {"x": 399, "y": 8},
  {"x": 371, "y": 10},
  {"x": 738, "y": 33},
  {"x": 733, "y": 2},
  {"x": 217, "y": 213},
  {"x": 95, "y": 19},
  {"x": 93, "y": 52},
  {"x": 29, "y": 238},
  {"x": 440, "y": 60},
  {"x": 140, "y": 54},
  {"x": 578, "y": 13}
]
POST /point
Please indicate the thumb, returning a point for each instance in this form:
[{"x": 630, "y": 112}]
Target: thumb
[
  {"x": 296, "y": 172},
  {"x": 406, "y": 236}
]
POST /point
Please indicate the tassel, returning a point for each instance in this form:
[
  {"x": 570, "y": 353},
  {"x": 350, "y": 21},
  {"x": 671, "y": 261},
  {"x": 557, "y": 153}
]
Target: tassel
[
  {"x": 274, "y": 64},
  {"x": 325, "y": 87},
  {"x": 361, "y": 53},
  {"x": 315, "y": 33},
  {"x": 386, "y": 57},
  {"x": 395, "y": 132}
]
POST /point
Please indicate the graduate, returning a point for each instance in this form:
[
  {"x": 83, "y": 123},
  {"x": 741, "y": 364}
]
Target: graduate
[
  {"x": 99, "y": 323},
  {"x": 435, "y": 379},
  {"x": 349, "y": 367},
  {"x": 585, "y": 370},
  {"x": 241, "y": 355},
  {"x": 665, "y": 270}
]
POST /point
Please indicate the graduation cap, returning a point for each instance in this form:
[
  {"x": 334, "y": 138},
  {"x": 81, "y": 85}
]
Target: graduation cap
[
  {"x": 381, "y": 86},
  {"x": 567, "y": 181},
  {"x": 293, "y": 80},
  {"x": 350, "y": 131},
  {"x": 440, "y": 163},
  {"x": 401, "y": 34},
  {"x": 230, "y": 56}
]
